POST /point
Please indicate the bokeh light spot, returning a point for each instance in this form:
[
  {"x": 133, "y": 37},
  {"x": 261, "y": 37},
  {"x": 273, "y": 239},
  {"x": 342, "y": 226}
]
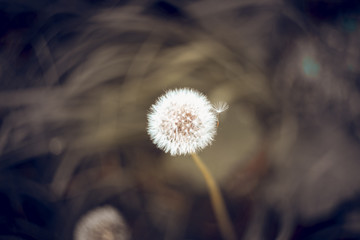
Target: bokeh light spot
[{"x": 310, "y": 67}]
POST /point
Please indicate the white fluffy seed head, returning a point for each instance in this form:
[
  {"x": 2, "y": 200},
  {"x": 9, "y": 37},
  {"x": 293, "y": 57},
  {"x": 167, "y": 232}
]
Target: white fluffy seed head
[
  {"x": 182, "y": 121},
  {"x": 103, "y": 223}
]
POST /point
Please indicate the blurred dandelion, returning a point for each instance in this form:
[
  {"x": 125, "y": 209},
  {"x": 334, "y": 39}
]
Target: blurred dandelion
[
  {"x": 103, "y": 223},
  {"x": 181, "y": 122}
]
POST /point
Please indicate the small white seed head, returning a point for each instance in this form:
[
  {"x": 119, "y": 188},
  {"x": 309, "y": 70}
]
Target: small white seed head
[
  {"x": 103, "y": 223},
  {"x": 182, "y": 121}
]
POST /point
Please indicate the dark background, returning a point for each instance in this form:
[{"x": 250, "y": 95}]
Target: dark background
[{"x": 77, "y": 79}]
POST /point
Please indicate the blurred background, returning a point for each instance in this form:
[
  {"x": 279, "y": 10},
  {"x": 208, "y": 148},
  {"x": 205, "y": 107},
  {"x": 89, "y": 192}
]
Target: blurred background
[{"x": 77, "y": 78}]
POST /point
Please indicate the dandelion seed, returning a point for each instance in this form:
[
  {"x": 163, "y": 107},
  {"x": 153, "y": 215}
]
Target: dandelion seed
[
  {"x": 103, "y": 223},
  {"x": 182, "y": 121},
  {"x": 220, "y": 107}
]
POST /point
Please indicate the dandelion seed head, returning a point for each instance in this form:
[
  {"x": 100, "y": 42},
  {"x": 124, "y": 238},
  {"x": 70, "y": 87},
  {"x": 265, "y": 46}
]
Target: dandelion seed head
[
  {"x": 103, "y": 223},
  {"x": 182, "y": 121}
]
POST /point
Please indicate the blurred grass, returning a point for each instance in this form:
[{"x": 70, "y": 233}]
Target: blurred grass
[{"x": 73, "y": 115}]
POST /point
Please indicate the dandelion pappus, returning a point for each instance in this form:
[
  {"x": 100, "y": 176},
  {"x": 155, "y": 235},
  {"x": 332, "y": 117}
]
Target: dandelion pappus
[{"x": 220, "y": 107}]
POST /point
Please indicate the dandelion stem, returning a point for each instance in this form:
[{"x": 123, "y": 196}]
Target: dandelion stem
[{"x": 217, "y": 201}]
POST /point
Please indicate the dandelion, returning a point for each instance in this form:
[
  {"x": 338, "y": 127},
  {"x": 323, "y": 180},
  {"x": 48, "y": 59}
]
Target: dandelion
[
  {"x": 103, "y": 223},
  {"x": 181, "y": 122}
]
